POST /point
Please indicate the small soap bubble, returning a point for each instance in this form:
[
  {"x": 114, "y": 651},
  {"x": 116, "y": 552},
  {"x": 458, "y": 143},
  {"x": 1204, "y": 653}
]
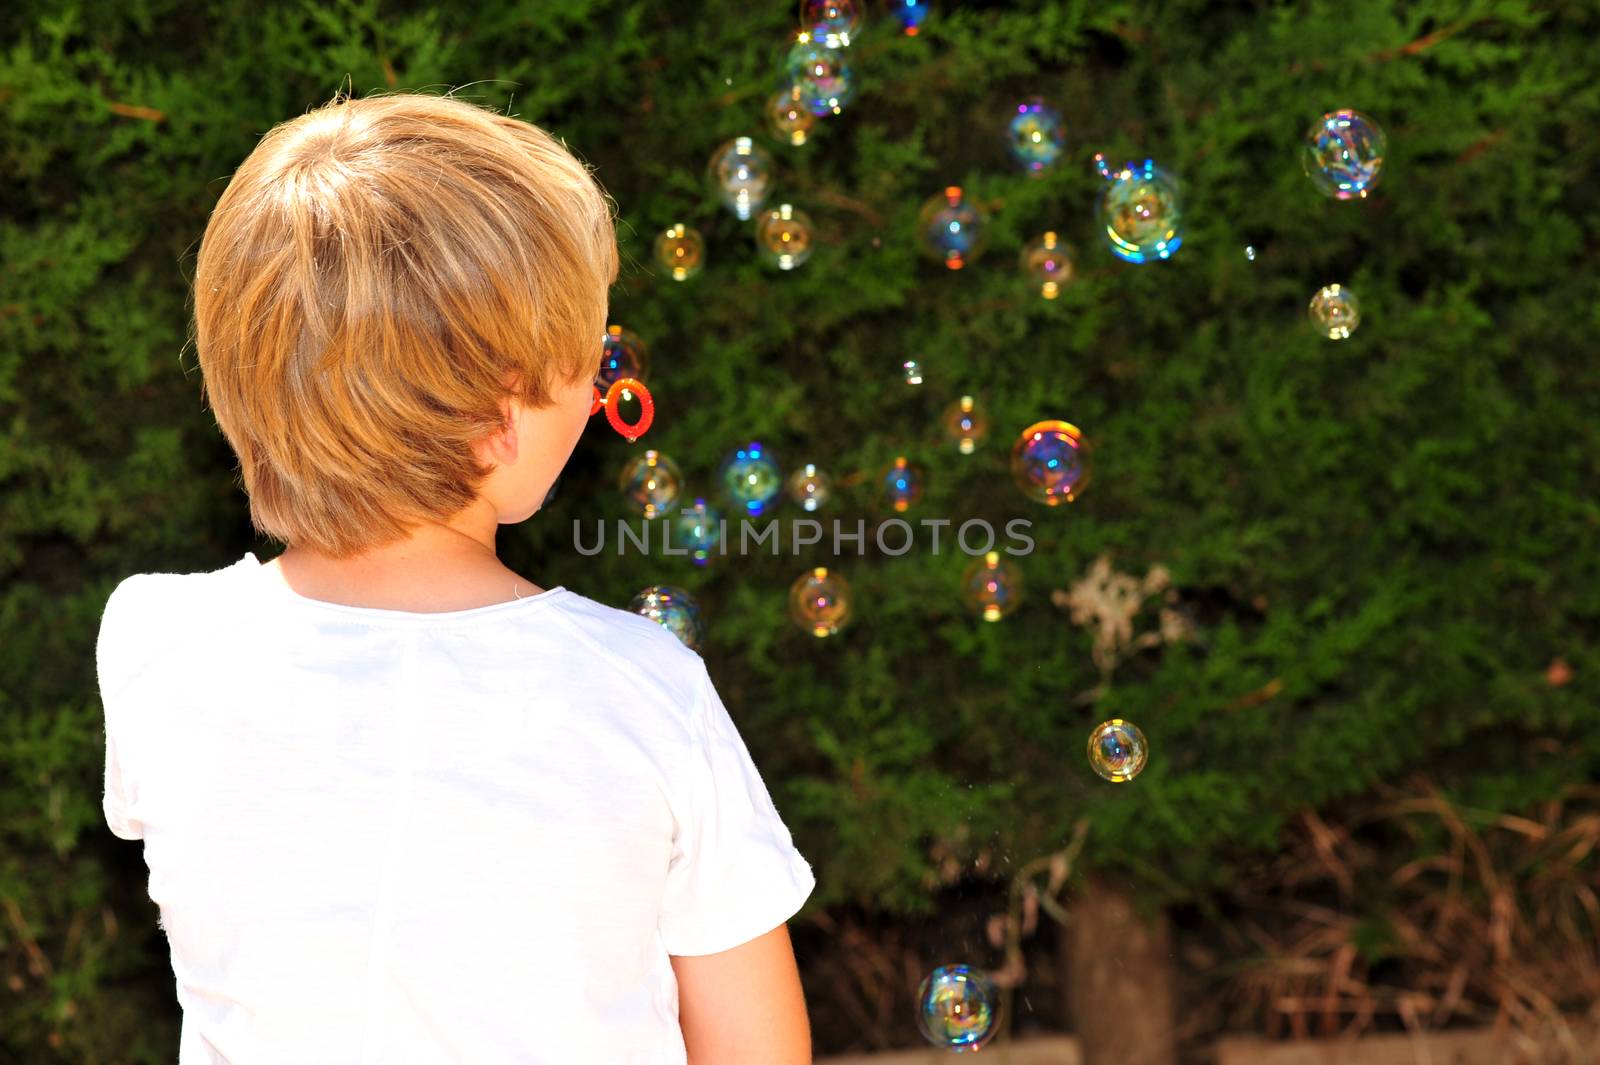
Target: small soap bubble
[
  {"x": 622, "y": 354},
  {"x": 912, "y": 369},
  {"x": 741, "y": 172},
  {"x": 957, "y": 1007},
  {"x": 784, "y": 237},
  {"x": 650, "y": 484},
  {"x": 1047, "y": 262},
  {"x": 992, "y": 586},
  {"x": 1117, "y": 750},
  {"x": 681, "y": 250},
  {"x": 1335, "y": 312},
  {"x": 810, "y": 487},
  {"x": 1048, "y": 462},
  {"x": 697, "y": 528},
  {"x": 788, "y": 117},
  {"x": 1035, "y": 135},
  {"x": 819, "y": 601},
  {"x": 674, "y": 610},
  {"x": 1140, "y": 214},
  {"x": 911, "y": 14},
  {"x": 832, "y": 22},
  {"x": 1342, "y": 154},
  {"x": 965, "y": 423},
  {"x": 902, "y": 484},
  {"x": 750, "y": 477},
  {"x": 951, "y": 228},
  {"x": 1250, "y": 252},
  {"x": 823, "y": 76}
]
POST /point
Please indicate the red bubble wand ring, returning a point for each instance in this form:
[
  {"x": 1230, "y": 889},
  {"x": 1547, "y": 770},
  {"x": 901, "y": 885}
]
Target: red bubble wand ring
[{"x": 624, "y": 388}]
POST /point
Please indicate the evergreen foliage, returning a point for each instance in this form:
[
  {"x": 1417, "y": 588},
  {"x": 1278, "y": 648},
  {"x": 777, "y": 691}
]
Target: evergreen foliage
[{"x": 1381, "y": 541}]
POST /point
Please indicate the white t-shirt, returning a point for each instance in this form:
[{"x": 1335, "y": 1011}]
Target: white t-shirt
[{"x": 378, "y": 836}]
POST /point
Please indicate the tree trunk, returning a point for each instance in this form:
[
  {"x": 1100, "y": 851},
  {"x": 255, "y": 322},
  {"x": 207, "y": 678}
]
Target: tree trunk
[{"x": 1119, "y": 982}]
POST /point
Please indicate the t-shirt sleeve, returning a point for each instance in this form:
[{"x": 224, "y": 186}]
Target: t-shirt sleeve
[
  {"x": 115, "y": 663},
  {"x": 735, "y": 873}
]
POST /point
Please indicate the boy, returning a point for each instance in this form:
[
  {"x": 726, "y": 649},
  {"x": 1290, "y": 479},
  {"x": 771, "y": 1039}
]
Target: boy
[{"x": 399, "y": 804}]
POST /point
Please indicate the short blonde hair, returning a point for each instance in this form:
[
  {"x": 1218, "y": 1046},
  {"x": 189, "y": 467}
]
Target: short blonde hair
[{"x": 374, "y": 274}]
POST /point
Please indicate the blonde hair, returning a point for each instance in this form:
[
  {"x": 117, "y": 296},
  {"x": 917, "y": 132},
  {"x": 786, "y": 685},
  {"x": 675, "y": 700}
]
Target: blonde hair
[{"x": 374, "y": 274}]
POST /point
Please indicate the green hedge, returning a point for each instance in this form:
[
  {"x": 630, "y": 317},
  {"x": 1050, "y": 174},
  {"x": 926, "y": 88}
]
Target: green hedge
[{"x": 1399, "y": 529}]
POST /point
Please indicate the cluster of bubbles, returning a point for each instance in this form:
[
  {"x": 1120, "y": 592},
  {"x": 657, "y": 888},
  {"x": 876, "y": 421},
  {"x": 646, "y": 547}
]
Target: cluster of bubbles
[
  {"x": 1117, "y": 750},
  {"x": 1048, "y": 462},
  {"x": 951, "y": 228},
  {"x": 819, "y": 601},
  {"x": 682, "y": 250},
  {"x": 957, "y": 1008},
  {"x": 992, "y": 586},
  {"x": 965, "y": 424},
  {"x": 674, "y": 610},
  {"x": 651, "y": 484}
]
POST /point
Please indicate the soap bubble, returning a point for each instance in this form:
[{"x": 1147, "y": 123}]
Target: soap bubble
[
  {"x": 957, "y": 1008},
  {"x": 697, "y": 528},
  {"x": 750, "y": 477},
  {"x": 674, "y": 610},
  {"x": 741, "y": 172},
  {"x": 911, "y": 14},
  {"x": 1335, "y": 312},
  {"x": 1117, "y": 750},
  {"x": 1140, "y": 214},
  {"x": 913, "y": 371},
  {"x": 1250, "y": 253},
  {"x": 902, "y": 484},
  {"x": 951, "y": 228},
  {"x": 992, "y": 586},
  {"x": 1343, "y": 154},
  {"x": 822, "y": 75},
  {"x": 819, "y": 601},
  {"x": 832, "y": 22},
  {"x": 622, "y": 354},
  {"x": 965, "y": 424},
  {"x": 1047, "y": 262},
  {"x": 681, "y": 250},
  {"x": 1048, "y": 462},
  {"x": 788, "y": 117},
  {"x": 810, "y": 487},
  {"x": 783, "y": 237},
  {"x": 650, "y": 484},
  {"x": 1035, "y": 135}
]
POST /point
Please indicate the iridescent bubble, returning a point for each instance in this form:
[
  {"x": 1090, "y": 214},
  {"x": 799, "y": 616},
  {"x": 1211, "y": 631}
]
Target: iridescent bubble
[
  {"x": 957, "y": 1007},
  {"x": 902, "y": 484},
  {"x": 1048, "y": 462},
  {"x": 1140, "y": 213},
  {"x": 622, "y": 354},
  {"x": 1047, "y": 262},
  {"x": 674, "y": 610},
  {"x": 832, "y": 22},
  {"x": 681, "y": 250},
  {"x": 951, "y": 228},
  {"x": 650, "y": 484},
  {"x": 810, "y": 487},
  {"x": 783, "y": 237},
  {"x": 965, "y": 424},
  {"x": 992, "y": 586},
  {"x": 911, "y": 14},
  {"x": 1035, "y": 135},
  {"x": 1117, "y": 750},
  {"x": 1335, "y": 312},
  {"x": 741, "y": 172},
  {"x": 822, "y": 75},
  {"x": 751, "y": 478},
  {"x": 1250, "y": 253},
  {"x": 697, "y": 528},
  {"x": 1343, "y": 154},
  {"x": 819, "y": 601},
  {"x": 788, "y": 117},
  {"x": 913, "y": 371}
]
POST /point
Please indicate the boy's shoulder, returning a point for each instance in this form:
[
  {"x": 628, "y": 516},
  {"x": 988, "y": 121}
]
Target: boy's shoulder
[{"x": 633, "y": 649}]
